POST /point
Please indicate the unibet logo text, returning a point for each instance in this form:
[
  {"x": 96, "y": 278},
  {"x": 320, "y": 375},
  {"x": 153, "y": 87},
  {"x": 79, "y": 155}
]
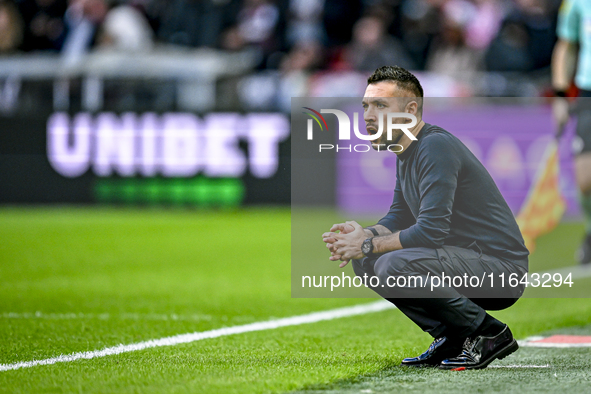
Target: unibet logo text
[
  {"x": 173, "y": 144},
  {"x": 345, "y": 125}
]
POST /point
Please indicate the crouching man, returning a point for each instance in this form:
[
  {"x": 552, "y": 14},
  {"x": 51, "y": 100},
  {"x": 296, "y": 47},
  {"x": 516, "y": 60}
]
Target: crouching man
[{"x": 447, "y": 221}]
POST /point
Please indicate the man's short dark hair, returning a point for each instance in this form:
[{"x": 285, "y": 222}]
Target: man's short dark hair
[{"x": 404, "y": 79}]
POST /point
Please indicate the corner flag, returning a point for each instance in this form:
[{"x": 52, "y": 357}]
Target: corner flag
[{"x": 544, "y": 206}]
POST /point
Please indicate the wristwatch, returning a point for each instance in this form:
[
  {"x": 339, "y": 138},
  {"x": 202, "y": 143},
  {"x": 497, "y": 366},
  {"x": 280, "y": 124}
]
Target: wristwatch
[{"x": 367, "y": 248}]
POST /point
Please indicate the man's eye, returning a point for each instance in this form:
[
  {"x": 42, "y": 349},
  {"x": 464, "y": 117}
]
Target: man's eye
[{"x": 380, "y": 105}]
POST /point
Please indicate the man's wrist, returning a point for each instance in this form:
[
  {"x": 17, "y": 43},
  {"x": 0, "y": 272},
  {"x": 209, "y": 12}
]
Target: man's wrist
[{"x": 373, "y": 231}]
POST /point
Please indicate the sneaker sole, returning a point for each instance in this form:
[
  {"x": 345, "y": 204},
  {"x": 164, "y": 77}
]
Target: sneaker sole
[{"x": 501, "y": 354}]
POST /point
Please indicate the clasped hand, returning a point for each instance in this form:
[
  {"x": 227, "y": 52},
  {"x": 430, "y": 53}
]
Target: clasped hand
[{"x": 345, "y": 244}]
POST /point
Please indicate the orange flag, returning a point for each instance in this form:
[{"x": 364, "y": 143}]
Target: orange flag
[{"x": 544, "y": 206}]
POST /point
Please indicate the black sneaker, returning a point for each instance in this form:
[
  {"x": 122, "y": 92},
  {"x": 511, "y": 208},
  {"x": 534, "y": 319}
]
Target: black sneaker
[
  {"x": 583, "y": 254},
  {"x": 440, "y": 349},
  {"x": 480, "y": 351}
]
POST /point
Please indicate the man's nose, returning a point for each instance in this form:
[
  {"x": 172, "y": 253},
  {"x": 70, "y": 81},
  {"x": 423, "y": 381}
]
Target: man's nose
[{"x": 369, "y": 115}]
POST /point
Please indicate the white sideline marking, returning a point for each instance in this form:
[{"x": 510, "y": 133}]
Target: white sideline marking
[
  {"x": 530, "y": 342},
  {"x": 578, "y": 271},
  {"x": 220, "y": 332},
  {"x": 532, "y": 338},
  {"x": 103, "y": 316},
  {"x": 555, "y": 345},
  {"x": 519, "y": 366}
]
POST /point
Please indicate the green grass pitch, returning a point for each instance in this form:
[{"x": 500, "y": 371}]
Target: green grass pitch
[{"x": 82, "y": 279}]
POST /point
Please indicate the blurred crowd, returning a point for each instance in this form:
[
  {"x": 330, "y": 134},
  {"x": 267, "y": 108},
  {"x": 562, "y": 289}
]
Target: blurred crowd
[{"x": 443, "y": 36}]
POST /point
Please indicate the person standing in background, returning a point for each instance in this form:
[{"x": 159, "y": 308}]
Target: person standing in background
[{"x": 574, "y": 42}]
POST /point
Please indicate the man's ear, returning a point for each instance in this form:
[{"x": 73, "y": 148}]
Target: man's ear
[{"x": 412, "y": 108}]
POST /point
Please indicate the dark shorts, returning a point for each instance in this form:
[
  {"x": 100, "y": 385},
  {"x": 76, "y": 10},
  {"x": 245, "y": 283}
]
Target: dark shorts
[{"x": 582, "y": 140}]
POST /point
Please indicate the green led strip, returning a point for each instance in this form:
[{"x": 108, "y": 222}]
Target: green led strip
[{"x": 199, "y": 191}]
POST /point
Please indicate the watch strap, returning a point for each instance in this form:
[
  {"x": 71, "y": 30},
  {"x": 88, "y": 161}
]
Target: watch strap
[{"x": 374, "y": 231}]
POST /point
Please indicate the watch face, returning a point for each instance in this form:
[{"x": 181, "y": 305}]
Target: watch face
[{"x": 366, "y": 247}]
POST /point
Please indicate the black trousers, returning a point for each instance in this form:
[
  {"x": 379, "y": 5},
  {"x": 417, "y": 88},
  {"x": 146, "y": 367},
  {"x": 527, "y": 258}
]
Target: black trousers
[
  {"x": 425, "y": 285},
  {"x": 582, "y": 141}
]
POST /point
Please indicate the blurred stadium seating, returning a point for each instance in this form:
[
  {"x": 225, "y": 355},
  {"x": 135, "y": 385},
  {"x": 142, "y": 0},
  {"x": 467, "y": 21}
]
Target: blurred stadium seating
[
  {"x": 471, "y": 47},
  {"x": 239, "y": 57}
]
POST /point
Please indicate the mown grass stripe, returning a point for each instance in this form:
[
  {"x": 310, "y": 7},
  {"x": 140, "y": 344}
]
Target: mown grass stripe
[
  {"x": 198, "y": 336},
  {"x": 578, "y": 272}
]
